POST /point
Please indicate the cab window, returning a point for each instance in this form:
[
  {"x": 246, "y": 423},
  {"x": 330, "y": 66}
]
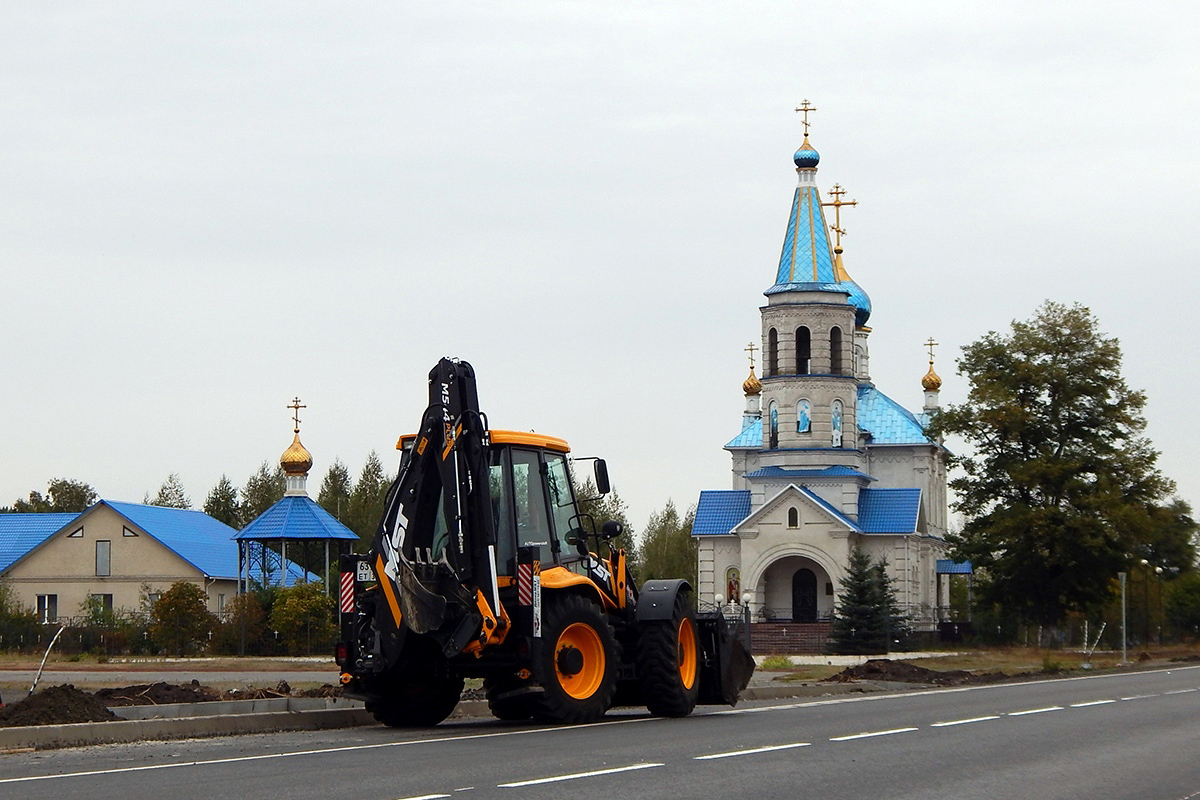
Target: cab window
[
  {"x": 533, "y": 525},
  {"x": 562, "y": 500}
]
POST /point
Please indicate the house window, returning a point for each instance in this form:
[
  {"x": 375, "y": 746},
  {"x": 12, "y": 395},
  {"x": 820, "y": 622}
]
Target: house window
[
  {"x": 803, "y": 416},
  {"x": 152, "y": 598},
  {"x": 104, "y": 601},
  {"x": 128, "y": 533},
  {"x": 220, "y": 603},
  {"x": 103, "y": 558},
  {"x": 803, "y": 350},
  {"x": 793, "y": 518},
  {"x": 76, "y": 534},
  {"x": 47, "y": 608},
  {"x": 772, "y": 352},
  {"x": 837, "y": 423},
  {"x": 835, "y": 350}
]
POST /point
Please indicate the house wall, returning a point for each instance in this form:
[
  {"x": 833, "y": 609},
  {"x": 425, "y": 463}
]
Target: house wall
[{"x": 65, "y": 565}]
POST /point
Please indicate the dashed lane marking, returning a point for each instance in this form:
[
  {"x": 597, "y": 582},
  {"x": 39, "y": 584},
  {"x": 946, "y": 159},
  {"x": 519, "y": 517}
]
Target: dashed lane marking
[
  {"x": 426, "y": 797},
  {"x": 1092, "y": 703},
  {"x": 1181, "y": 691},
  {"x": 1033, "y": 711},
  {"x": 1139, "y": 696},
  {"x": 871, "y": 734},
  {"x": 964, "y": 721},
  {"x": 752, "y": 751},
  {"x": 576, "y": 775}
]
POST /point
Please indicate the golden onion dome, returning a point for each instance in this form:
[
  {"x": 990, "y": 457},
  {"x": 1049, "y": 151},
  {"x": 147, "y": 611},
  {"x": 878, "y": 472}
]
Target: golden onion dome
[
  {"x": 296, "y": 460},
  {"x": 931, "y": 381},
  {"x": 752, "y": 385}
]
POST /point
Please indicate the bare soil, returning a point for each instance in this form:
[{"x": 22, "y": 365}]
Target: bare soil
[
  {"x": 56, "y": 705},
  {"x": 884, "y": 669}
]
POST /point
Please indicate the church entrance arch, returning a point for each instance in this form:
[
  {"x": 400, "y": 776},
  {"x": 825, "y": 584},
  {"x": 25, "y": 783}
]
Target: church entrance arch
[{"x": 804, "y": 595}]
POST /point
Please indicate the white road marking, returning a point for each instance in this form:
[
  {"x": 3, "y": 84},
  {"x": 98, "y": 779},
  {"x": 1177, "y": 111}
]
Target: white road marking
[
  {"x": 963, "y": 721},
  {"x": 1181, "y": 691},
  {"x": 576, "y": 775},
  {"x": 870, "y": 734},
  {"x": 1138, "y": 696},
  {"x": 559, "y": 729},
  {"x": 1034, "y": 711},
  {"x": 752, "y": 751},
  {"x": 426, "y": 797},
  {"x": 1093, "y": 703}
]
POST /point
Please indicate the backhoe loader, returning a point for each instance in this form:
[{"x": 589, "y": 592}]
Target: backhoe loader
[{"x": 483, "y": 567}]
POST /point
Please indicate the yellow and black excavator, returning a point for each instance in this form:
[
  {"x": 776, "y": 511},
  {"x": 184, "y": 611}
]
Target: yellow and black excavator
[{"x": 484, "y": 567}]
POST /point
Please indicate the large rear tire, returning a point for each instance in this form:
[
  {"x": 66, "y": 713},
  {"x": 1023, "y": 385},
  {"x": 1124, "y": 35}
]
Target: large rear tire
[
  {"x": 579, "y": 659},
  {"x": 420, "y": 692},
  {"x": 668, "y": 661}
]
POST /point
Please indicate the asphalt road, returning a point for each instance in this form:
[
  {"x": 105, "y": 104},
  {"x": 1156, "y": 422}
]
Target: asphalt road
[{"x": 1129, "y": 736}]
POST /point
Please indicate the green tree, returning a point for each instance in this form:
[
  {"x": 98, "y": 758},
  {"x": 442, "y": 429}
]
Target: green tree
[
  {"x": 170, "y": 494},
  {"x": 862, "y": 615},
  {"x": 335, "y": 492},
  {"x": 244, "y": 621},
  {"x": 263, "y": 489},
  {"x": 222, "y": 503},
  {"x": 1058, "y": 491},
  {"x": 303, "y": 615},
  {"x": 180, "y": 621},
  {"x": 610, "y": 507},
  {"x": 62, "y": 496},
  {"x": 1182, "y": 598},
  {"x": 368, "y": 498},
  {"x": 668, "y": 549}
]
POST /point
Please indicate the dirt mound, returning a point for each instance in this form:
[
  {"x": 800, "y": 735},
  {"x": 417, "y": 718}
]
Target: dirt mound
[
  {"x": 884, "y": 669},
  {"x": 157, "y": 694},
  {"x": 56, "y": 705}
]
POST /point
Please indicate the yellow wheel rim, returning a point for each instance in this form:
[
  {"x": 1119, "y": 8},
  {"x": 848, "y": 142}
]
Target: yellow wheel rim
[
  {"x": 687, "y": 653},
  {"x": 584, "y": 638}
]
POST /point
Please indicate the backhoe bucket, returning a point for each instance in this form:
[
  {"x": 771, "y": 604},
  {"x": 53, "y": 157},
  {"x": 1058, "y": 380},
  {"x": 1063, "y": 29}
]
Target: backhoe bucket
[{"x": 727, "y": 663}]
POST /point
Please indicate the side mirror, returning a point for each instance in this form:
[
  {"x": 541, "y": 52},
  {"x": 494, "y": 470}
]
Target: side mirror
[
  {"x": 602, "y": 484},
  {"x": 578, "y": 539}
]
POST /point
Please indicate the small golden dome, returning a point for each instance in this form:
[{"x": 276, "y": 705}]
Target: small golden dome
[
  {"x": 752, "y": 385},
  {"x": 931, "y": 381},
  {"x": 296, "y": 460}
]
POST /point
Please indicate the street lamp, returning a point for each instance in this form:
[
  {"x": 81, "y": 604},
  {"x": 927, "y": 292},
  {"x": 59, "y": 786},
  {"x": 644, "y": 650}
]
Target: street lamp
[{"x": 1159, "y": 572}]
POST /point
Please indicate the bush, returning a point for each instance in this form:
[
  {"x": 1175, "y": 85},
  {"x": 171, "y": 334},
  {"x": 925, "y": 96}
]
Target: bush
[
  {"x": 303, "y": 616},
  {"x": 180, "y": 621}
]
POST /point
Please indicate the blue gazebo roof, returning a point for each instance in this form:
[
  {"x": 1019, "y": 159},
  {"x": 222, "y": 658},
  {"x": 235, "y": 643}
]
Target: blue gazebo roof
[{"x": 296, "y": 517}]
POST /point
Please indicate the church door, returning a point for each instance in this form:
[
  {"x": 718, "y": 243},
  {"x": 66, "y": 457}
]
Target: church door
[{"x": 804, "y": 596}]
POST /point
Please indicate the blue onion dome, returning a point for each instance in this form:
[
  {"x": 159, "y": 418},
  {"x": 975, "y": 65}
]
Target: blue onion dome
[
  {"x": 858, "y": 298},
  {"x": 806, "y": 157}
]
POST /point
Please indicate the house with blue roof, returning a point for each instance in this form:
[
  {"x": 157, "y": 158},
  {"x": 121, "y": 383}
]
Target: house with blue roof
[{"x": 824, "y": 462}]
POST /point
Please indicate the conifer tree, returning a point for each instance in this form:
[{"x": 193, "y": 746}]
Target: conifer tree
[
  {"x": 335, "y": 492},
  {"x": 860, "y": 620},
  {"x": 668, "y": 549},
  {"x": 263, "y": 489},
  {"x": 222, "y": 503},
  {"x": 170, "y": 494},
  {"x": 367, "y": 499}
]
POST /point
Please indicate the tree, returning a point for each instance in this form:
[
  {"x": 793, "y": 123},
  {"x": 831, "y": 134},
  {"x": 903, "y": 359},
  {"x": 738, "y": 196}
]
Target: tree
[
  {"x": 1183, "y": 604},
  {"x": 303, "y": 615},
  {"x": 867, "y": 617},
  {"x": 610, "y": 507},
  {"x": 668, "y": 549},
  {"x": 263, "y": 489},
  {"x": 368, "y": 498},
  {"x": 1059, "y": 489},
  {"x": 170, "y": 494},
  {"x": 222, "y": 503},
  {"x": 62, "y": 496},
  {"x": 335, "y": 492},
  {"x": 179, "y": 620}
]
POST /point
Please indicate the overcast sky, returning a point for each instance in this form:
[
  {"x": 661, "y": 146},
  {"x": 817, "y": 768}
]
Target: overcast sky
[{"x": 209, "y": 208}]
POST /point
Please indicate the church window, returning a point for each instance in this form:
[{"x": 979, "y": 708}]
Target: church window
[
  {"x": 772, "y": 352},
  {"x": 803, "y": 416},
  {"x": 835, "y": 350},
  {"x": 837, "y": 423},
  {"x": 803, "y": 350},
  {"x": 774, "y": 414},
  {"x": 793, "y": 518}
]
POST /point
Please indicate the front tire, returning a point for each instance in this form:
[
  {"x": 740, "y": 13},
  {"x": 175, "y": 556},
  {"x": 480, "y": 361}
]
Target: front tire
[
  {"x": 668, "y": 661},
  {"x": 579, "y": 659}
]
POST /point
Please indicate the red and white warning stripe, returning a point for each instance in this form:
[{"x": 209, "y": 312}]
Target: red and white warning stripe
[
  {"x": 347, "y": 592},
  {"x": 525, "y": 584}
]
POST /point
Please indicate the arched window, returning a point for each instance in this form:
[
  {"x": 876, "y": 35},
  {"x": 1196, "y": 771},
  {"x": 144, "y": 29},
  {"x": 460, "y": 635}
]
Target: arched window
[
  {"x": 793, "y": 518},
  {"x": 772, "y": 352},
  {"x": 774, "y": 414},
  {"x": 803, "y": 350},
  {"x": 835, "y": 350},
  {"x": 837, "y": 423},
  {"x": 803, "y": 416}
]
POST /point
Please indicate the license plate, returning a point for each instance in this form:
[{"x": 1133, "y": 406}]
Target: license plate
[{"x": 364, "y": 573}]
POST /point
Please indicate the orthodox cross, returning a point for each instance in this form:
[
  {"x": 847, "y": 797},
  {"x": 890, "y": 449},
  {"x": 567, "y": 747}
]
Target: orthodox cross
[
  {"x": 836, "y": 193},
  {"x": 295, "y": 406},
  {"x": 931, "y": 344},
  {"x": 750, "y": 349},
  {"x": 804, "y": 108}
]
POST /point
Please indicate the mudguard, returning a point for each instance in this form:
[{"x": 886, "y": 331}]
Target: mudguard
[{"x": 656, "y": 601}]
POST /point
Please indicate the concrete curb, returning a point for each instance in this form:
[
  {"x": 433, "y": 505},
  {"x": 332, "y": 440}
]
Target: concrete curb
[{"x": 227, "y": 718}]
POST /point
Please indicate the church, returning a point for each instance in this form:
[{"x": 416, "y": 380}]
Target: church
[{"x": 824, "y": 461}]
